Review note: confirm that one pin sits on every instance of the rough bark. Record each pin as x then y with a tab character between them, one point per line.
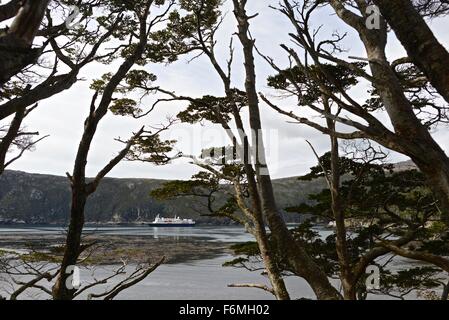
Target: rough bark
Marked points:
438	261
28	20
445	293
268	256
288	248
15	45
346	276
412	137
274	274
419	41
270	262
418	143
259	232
10	10
51	86
55	83
80	189
8	139
73	243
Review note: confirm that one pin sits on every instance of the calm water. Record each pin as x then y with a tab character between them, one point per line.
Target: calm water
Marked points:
208	233
203	279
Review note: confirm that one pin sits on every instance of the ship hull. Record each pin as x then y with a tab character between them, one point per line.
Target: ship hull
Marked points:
171	225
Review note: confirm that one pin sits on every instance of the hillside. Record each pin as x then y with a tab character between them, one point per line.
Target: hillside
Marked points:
36	198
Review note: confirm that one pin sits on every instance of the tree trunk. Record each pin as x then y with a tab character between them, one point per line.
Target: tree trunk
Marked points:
445	294
278	284
80	189
419	41
288	248
346	275
274	274
268	256
435	166
8	139
78	204
73	243
291	251
10	10
415	139
15	46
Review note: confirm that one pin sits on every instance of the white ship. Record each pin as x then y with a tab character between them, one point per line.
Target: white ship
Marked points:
172	222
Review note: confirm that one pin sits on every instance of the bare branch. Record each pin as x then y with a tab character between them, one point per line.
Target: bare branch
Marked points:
252	285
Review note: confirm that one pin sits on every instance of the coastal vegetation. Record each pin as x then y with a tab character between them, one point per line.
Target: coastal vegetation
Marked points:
365	106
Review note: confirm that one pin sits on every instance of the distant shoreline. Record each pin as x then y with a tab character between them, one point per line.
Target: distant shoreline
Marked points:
103	224
128	224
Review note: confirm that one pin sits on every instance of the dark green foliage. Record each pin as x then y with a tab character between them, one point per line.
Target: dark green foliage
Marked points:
248	256
150	148
213	109
214	190
247	248
124	107
180	35
300	81
200	185
419	278
347	167
310	84
380	204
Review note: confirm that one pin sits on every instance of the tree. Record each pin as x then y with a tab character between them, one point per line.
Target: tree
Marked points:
418	39
138	23
18	137
294	253
387	212
198	34
224	188
33	272
74	48
405	100
15	44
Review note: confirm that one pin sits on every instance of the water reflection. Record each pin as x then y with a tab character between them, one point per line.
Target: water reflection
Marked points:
209	233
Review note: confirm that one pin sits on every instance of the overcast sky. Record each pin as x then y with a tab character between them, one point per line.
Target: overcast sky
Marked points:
62	116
